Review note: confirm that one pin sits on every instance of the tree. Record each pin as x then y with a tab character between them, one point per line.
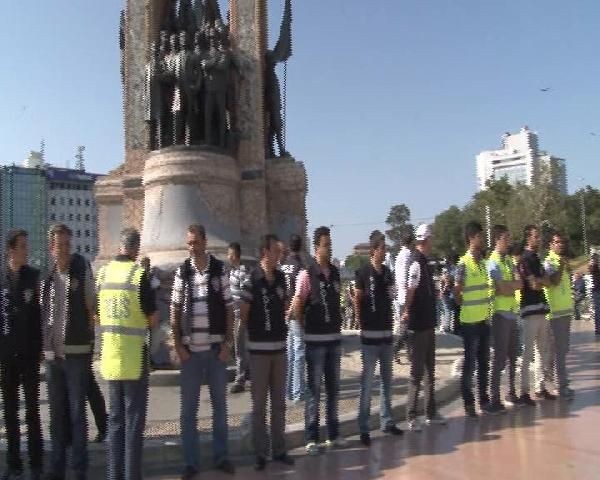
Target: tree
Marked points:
399	221
354	262
448	233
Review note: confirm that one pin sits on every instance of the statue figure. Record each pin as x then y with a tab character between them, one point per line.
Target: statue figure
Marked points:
122	21
176	66
193	82
153	111
216	65
281	53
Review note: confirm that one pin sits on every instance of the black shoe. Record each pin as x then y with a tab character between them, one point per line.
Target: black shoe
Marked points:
495	408
226	466
188	473
260	464
526	400
365	439
100	437
512	400
545	395
285	459
470	411
237	388
393	430
484	401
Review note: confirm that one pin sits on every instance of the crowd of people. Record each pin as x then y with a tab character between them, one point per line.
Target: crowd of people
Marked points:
281	321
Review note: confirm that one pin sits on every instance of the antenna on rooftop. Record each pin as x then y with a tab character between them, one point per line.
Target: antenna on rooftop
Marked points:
79	159
43	151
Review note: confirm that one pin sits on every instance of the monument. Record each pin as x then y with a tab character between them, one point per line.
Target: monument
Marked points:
204	133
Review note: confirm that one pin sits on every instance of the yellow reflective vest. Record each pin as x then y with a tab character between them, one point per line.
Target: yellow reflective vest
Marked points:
475	298
559	297
122	321
503	303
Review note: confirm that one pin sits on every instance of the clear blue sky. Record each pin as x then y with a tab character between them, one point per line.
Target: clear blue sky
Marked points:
389	100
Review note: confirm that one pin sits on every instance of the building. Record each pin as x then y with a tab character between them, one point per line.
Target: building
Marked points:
35	196
520	160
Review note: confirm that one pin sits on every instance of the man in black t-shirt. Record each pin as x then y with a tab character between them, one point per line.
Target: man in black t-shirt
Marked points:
533	312
594	270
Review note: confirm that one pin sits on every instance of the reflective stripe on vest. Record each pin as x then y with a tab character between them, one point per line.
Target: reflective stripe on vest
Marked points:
475	302
267	346
559	297
503	303
122	321
376	333
326	337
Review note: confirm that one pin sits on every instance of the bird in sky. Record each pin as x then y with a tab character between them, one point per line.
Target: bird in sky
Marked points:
547	89
593	134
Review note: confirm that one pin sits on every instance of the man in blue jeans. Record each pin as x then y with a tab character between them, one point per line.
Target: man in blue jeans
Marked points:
317	305
295	379
68	304
202	321
373	297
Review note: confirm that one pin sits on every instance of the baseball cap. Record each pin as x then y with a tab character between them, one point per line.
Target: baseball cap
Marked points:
423	232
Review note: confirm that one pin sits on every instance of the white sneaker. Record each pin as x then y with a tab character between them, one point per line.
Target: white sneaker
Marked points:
436	420
339	442
414	426
312	448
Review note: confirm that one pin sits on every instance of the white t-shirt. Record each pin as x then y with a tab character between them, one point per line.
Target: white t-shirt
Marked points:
401	272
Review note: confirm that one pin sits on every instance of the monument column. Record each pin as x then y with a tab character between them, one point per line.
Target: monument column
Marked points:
249	39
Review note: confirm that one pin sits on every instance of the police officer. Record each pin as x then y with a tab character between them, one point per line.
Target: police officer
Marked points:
263	312
471	291
127	310
20	354
560	301
373	297
68	298
317	305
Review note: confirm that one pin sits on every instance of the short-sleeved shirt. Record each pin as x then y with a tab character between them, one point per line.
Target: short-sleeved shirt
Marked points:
533	302
414	275
401	272
200	338
303	283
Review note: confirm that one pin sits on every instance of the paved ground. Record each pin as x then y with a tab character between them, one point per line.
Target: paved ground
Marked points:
554	440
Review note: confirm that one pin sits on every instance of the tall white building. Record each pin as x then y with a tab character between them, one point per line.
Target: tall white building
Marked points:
520	160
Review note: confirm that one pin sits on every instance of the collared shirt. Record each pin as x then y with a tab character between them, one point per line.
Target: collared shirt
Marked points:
303	282
200	339
61	281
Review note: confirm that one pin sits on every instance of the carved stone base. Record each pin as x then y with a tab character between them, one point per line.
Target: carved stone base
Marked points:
186	185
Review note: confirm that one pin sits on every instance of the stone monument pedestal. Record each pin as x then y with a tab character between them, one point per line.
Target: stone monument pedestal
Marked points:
186	185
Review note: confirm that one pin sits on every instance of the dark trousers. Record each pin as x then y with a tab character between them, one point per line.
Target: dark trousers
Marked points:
422	364
504	339
322	361
18	371
97	405
476	341
67	381
126	424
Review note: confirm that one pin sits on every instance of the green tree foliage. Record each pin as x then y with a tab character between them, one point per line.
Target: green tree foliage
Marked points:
448	233
399	221
354	262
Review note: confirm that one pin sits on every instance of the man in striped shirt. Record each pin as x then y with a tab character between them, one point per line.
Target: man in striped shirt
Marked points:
202	321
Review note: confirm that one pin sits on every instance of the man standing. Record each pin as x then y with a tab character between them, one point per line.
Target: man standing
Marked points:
317	305
263	313
401	273
419	317
471	292
237	277
533	311
594	270
560	301
68	299
503	285
126	310
20	354
373	297
202	322
295	378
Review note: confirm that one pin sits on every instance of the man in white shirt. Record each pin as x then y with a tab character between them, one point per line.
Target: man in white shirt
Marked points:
401	273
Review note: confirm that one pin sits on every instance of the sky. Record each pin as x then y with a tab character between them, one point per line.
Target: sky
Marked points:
389	101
